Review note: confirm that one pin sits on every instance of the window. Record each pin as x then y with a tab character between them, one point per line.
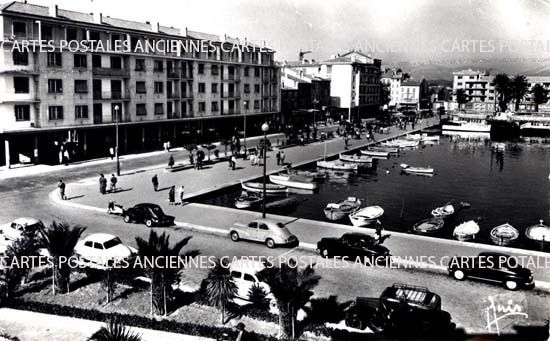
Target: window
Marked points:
95	35
22	112
96	60
20	29
256	88
140	64
246	71
80	60
47	32
202	88
249	278
247	88
116	62
20	58
159	109
21	85
256	72
114	38
201	69
256	104
159	87
140	88
158	66
80	86
81	111
71	34
215	70
55	112
236	274
215	106
141	109
54	58
55	85
202	106
214	88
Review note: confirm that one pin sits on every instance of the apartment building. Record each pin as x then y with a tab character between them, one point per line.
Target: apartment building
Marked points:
406	93
480	88
63	99
393	79
527	104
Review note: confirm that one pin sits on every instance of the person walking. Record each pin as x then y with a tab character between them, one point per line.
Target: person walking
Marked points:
172	196
102	184
155	181
181	193
112	153
171	161
61	186
113	183
233	162
282	157
278	156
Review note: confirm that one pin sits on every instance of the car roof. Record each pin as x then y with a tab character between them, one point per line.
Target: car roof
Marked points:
358	235
267	221
100	237
146	204
247	265
26	221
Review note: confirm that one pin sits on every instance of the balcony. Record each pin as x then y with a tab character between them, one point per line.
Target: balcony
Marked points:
174	95
111	95
107	72
186	96
173	73
231	95
231	78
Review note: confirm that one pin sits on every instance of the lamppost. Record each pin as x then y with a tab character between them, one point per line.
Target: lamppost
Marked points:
315	101
265	128
245	104
116	146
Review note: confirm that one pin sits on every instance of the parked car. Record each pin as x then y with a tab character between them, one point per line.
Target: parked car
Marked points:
103	250
244	275
270	232
150	214
17	228
492	267
401	310
353	245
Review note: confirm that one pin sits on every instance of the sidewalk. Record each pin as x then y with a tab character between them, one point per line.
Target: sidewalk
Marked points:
31	326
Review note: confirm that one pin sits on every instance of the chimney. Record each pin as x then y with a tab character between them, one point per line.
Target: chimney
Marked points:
98	18
155	26
52	10
185	32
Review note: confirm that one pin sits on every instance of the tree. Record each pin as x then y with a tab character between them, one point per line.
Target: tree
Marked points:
60	239
209	147
109	281
190	148
258	297
540	95
461	97
220	288
519	88
502	87
155	256
115	331
292	288
325	309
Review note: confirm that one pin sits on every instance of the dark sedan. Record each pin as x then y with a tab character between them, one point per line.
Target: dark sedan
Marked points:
150	214
492	267
354	246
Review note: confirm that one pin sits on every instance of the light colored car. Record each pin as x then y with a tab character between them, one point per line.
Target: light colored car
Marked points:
103	250
244	274
270	232
15	229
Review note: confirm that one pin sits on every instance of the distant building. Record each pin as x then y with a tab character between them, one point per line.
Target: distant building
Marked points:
393	78
527	104
479	86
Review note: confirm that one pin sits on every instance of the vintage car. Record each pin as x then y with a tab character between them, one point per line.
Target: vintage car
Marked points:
267	231
150	214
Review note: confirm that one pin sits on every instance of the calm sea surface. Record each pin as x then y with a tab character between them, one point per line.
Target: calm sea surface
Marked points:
510	186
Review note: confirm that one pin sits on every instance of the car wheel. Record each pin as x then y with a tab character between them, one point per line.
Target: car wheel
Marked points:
459	275
511	285
149	223
127	219
354	322
234	236
270	243
325	253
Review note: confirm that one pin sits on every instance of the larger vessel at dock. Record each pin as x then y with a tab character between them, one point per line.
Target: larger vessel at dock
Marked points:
461	121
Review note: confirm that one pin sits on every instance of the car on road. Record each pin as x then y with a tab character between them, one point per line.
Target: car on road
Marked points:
354	246
492	267
270	232
17	228
150	214
103	250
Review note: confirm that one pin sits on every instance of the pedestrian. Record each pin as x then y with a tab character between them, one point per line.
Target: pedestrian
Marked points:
165	146
112	153
155	181
253	160
168	146
181	192
346	139
66	157
378	232
191	159
233	162
282	157
172	195
171	161
102	184
113	183
242	333
61	186
278	156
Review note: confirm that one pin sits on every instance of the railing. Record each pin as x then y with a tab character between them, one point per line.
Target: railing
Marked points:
101	71
174	94
231	95
186	95
173	73
111	95
232	78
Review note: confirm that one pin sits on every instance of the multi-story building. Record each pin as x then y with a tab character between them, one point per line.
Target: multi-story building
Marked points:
528	104
393	79
71	99
479	86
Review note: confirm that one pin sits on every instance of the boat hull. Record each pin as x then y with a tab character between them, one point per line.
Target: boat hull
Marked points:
375	153
468	127
504	235
271	189
429	226
366	216
285	181
336	165
356	159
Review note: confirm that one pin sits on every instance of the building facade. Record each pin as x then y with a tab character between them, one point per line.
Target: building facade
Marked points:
479	86
72	99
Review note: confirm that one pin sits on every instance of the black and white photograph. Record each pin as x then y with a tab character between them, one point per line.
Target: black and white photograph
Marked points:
274	170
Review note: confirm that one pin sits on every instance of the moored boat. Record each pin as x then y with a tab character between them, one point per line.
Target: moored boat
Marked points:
391	150
443	211
408	169
247	201
270	189
401	143
342	208
337	165
355	158
429	226
294	182
318	176
504	234
538	233
466	231
366	216
375	153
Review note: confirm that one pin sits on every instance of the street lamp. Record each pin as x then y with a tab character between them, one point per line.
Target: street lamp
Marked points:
265	128
315	101
245	104
116	146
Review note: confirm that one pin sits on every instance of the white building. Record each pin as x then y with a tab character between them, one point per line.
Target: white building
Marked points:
479	87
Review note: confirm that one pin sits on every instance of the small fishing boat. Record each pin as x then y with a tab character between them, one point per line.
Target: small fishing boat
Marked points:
270	189
338	165
247	201
391	150
504	234
429	226
342	208
443	211
318	176
538	233
466	231
355	158
408	169
293	181
400	144
366	216
375	153
423	137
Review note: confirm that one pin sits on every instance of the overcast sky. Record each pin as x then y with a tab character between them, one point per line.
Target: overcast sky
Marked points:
394	30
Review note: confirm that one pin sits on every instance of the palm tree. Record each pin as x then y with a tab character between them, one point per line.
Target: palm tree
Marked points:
156	255
461	97
291	287
114	331
220	288
325	309
540	95
257	296
519	88
60	239
502	87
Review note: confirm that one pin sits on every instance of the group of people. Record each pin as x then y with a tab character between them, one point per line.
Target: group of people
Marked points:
280	158
103	184
172	195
